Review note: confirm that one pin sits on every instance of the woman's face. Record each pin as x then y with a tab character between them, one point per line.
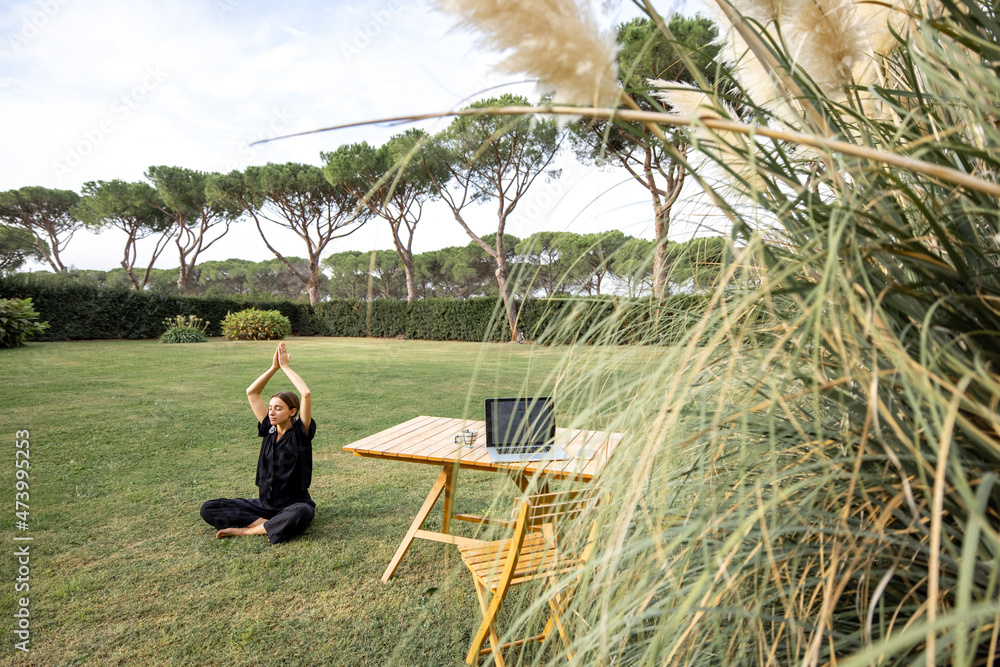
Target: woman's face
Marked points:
278	412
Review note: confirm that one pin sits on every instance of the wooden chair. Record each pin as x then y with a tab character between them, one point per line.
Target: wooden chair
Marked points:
540	548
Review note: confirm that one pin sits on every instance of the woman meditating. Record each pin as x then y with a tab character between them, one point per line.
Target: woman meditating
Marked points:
284	467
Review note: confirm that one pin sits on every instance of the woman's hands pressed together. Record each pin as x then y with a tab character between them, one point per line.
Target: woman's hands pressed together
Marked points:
281	356
275	361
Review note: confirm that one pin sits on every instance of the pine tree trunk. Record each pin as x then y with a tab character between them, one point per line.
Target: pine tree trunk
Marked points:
57	264
508	299
131	276
411	283
183	277
660	256
312	287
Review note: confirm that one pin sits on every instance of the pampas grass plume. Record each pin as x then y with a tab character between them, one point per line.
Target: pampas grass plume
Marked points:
835	42
826	39
689	102
757	83
555	41
881	18
684	99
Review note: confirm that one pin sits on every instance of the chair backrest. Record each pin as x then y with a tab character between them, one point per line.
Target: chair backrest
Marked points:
560	508
562	517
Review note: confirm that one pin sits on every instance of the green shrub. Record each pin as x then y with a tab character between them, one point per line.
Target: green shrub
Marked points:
181	329
254	324
18	321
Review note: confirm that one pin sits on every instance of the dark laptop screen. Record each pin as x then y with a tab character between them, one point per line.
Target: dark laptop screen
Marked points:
519	422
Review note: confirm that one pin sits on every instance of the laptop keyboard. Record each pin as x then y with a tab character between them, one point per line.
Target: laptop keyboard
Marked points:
521	449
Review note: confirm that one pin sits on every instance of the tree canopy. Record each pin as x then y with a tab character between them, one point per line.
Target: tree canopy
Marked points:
393	182
45	216
647	53
492	158
198	221
16	248
134	208
299	198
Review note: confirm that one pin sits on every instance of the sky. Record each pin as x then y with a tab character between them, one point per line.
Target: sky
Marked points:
102	89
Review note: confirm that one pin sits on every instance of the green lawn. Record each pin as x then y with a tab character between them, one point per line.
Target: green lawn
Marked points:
128	438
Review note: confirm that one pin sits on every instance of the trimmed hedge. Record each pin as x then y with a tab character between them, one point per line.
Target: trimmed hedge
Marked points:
86	312
477	319
609	319
426	319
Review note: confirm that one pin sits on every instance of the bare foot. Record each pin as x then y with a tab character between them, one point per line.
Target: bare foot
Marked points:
255	528
231	532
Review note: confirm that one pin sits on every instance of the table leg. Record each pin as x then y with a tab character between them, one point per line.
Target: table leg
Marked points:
449	499
442	482
524	482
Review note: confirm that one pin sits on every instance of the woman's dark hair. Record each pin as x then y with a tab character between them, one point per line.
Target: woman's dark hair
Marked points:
289	398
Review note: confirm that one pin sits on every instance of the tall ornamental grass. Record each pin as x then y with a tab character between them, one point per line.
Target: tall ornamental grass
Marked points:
810	477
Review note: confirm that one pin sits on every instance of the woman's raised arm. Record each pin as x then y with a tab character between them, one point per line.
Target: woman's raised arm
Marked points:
305	410
253	391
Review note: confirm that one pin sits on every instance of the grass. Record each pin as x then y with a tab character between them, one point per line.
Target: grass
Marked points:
128	438
814	486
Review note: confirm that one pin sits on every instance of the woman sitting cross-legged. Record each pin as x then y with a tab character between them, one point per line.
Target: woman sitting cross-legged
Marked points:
284	467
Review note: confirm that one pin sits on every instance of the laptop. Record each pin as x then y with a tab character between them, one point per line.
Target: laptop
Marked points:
521	429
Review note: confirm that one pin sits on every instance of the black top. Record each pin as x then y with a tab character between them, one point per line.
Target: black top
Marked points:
284	467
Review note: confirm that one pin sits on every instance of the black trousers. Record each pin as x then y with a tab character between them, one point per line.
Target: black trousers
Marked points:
283	523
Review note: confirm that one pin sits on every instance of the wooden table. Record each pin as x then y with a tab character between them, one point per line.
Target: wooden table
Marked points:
431	440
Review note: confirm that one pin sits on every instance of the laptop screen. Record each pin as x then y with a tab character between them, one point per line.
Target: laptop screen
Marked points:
519	422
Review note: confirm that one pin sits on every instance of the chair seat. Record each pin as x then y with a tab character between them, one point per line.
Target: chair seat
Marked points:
538	558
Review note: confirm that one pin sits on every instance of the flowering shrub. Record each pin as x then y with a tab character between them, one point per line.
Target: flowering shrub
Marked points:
254	324
18	321
180	329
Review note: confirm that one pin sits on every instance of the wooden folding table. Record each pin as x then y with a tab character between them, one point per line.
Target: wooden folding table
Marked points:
431	440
